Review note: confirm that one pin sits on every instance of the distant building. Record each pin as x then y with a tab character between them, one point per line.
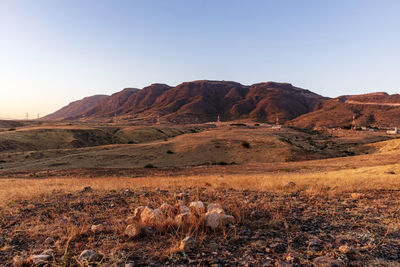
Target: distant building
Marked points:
395	131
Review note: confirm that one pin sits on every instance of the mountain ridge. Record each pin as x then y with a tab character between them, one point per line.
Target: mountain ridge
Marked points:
200	101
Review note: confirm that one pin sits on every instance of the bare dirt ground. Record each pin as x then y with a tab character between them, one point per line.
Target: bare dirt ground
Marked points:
330	199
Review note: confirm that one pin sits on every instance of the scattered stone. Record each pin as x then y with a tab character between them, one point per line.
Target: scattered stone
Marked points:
325	261
130	264
151	217
357	195
40	259
133	230
88	255
197	206
344	249
97	228
215	207
182	208
187	244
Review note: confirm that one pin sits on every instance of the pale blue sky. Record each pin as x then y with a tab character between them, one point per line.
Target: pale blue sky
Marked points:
53	52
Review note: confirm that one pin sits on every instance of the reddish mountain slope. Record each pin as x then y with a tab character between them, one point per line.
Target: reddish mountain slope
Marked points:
201	101
108	106
76	108
375	110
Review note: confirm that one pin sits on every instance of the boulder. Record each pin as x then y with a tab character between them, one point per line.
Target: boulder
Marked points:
197	207
215	207
151	217
212	219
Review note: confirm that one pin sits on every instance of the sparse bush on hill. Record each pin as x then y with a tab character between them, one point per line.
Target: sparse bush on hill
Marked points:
149	166
245	144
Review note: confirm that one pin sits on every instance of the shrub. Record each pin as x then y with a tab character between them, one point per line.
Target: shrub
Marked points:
245	144
149	166
170	152
11	129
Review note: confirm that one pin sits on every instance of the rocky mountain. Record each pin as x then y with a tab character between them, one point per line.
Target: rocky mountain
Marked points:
373	110
202	101
76	108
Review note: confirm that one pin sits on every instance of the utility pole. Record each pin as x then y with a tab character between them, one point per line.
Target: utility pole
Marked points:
115	118
158	119
353	123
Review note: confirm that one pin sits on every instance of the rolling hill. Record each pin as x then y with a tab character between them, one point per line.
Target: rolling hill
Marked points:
76	108
199	101
373	110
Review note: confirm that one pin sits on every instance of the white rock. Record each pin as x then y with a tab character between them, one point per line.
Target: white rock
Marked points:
40	259
344	249
88	255
197	207
357	195
187	244
133	230
97	228
151	217
215	207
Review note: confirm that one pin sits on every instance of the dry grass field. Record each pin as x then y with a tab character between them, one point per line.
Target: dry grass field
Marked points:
297	198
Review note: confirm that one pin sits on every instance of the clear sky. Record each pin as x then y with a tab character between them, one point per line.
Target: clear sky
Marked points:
53	52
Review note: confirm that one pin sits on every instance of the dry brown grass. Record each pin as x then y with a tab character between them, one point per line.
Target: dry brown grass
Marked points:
348	180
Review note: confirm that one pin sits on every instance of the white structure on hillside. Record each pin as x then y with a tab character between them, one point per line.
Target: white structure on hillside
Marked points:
395	131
